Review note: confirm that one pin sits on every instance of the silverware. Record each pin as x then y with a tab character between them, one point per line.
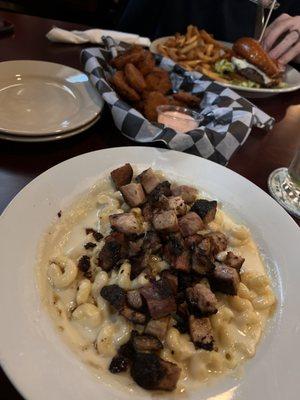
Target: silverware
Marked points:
267	20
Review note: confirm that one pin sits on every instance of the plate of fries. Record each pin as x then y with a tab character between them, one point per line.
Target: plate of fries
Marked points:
197	50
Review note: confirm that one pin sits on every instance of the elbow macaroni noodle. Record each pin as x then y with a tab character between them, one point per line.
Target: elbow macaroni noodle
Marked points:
89	321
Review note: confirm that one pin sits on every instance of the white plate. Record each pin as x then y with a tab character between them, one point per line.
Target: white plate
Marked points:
47	138
42	98
291	78
37	360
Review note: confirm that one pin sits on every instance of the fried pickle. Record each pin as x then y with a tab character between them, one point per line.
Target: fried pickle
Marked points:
120	61
152	101
134	78
123	88
158	80
187	98
146	64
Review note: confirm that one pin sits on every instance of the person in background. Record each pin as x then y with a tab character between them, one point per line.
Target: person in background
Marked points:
228	20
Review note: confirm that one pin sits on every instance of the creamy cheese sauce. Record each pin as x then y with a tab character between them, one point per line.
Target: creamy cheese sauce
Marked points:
89	325
242	64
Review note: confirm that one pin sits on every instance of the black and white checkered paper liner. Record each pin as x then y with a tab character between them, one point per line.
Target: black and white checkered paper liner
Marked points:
228	117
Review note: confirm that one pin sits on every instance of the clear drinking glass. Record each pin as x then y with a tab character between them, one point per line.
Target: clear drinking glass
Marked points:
284	186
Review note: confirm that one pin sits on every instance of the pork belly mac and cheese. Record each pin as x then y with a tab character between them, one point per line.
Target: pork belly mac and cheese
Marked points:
148	280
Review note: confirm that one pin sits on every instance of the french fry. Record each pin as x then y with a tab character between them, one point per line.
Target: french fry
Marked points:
188	48
213	75
209	49
192	63
196	50
192	39
189	32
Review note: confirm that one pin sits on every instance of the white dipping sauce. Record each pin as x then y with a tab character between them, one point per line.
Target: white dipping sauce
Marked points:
178	121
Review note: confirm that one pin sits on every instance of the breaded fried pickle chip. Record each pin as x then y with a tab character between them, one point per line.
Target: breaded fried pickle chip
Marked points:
123	88
146	64
158	80
134	78
152	101
187	98
120	61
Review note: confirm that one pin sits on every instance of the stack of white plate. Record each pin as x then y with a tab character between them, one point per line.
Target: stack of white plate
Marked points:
42	101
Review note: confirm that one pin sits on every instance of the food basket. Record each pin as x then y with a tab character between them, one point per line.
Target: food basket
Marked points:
228	117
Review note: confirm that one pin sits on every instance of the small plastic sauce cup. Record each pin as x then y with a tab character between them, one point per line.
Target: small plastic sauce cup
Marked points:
180	119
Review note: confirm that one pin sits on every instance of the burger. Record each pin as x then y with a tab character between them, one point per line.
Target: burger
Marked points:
253	62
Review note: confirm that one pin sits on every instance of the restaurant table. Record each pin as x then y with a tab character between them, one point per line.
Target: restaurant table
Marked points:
21	162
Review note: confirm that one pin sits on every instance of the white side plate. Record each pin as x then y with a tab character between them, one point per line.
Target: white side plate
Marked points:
47	138
42	98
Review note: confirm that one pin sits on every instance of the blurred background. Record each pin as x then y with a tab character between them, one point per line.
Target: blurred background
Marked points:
100	13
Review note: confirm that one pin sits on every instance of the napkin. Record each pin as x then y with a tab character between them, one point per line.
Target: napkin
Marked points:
94	36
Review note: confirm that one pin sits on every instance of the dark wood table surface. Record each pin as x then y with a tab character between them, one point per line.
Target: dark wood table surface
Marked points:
21	162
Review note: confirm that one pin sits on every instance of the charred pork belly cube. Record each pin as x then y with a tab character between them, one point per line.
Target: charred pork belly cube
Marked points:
165	221
187	193
175	203
205	209
182	317
201	263
144	343
133	194
122	175
175	245
171	279
201	333
138	264
192	241
113	252
182	262
126	223
152	373
134	299
176	254
162	189
84	263
158	327
147	212
118	364
127	350
159	299
152	242
134	247
201	300
148	179
97	235
171	376
146	370
234	261
224	279
218	242
186	280
190	224
115	295
205	246
133	316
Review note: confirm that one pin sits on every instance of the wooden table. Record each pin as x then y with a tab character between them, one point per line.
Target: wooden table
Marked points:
21	162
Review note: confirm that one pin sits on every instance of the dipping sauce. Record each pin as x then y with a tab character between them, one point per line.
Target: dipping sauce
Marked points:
180	119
